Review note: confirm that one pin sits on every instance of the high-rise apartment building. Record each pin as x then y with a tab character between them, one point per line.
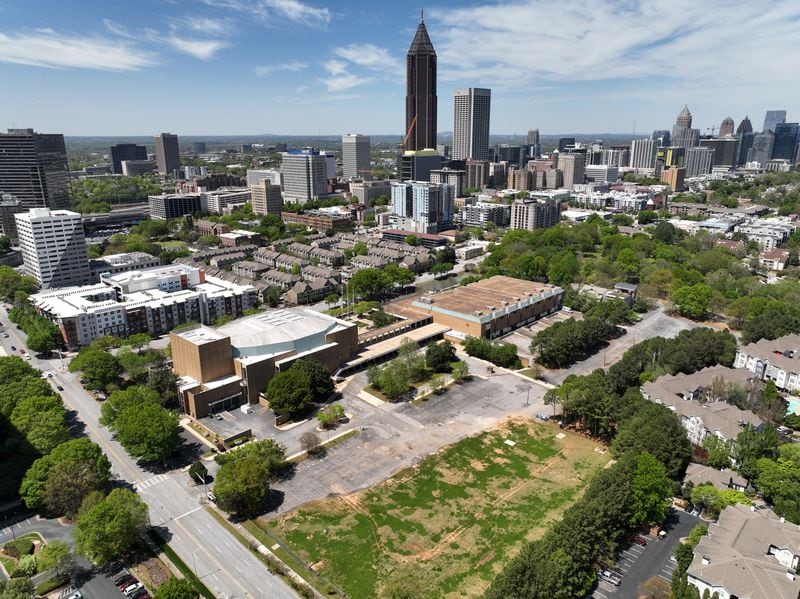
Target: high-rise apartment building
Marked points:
772	118
785	144
355	156
572	165
33	168
699	161
422	207
305	175
453	177
726	127
266	198
674	176
643	154
122	152
477	174
531	214
421	99
168	154
254	176
616	156
9	206
471	110
53	247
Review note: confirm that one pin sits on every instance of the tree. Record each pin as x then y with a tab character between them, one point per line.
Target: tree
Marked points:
651	488
176	588
41	421
647	216
138	340
310	443
17	588
111	527
163	381
54	555
460	371
718	452
119	401
318	376
692	300
753	444
440	356
712	501
99	368
368	283
360	249
241	486
66	486
267	451
198	472
411	240
148	431
440	268
289	392
655	429
43	335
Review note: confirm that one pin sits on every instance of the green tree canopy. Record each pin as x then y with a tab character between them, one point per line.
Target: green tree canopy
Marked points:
651	489
148	431
241	486
99	368
692	301
110	528
176	588
440	356
289	392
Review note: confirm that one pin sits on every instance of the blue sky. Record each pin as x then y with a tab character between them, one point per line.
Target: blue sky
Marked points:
86	67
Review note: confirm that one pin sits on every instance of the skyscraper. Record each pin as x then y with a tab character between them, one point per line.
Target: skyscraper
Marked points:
168	154
699	161
533	137
122	152
683	136
761	150
266	198
745	126
422	207
726	128
572	165
421	92
355	156
53	247
33	168
661	136
643	154
304	174
772	118
785	144
471	123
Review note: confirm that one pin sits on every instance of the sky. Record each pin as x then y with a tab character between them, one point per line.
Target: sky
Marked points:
308	67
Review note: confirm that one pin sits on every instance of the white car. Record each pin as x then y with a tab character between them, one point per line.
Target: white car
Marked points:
76	595
211	497
27	356
133	588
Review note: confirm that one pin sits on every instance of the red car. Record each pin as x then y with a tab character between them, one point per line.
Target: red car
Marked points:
21	350
640	540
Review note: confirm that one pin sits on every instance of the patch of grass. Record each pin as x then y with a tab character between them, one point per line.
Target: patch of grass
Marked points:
184	569
172	245
532	373
51	584
452	521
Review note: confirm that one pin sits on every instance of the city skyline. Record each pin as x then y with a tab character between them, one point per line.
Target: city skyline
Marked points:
291	66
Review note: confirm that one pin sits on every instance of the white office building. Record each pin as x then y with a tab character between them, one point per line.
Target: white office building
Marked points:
53	247
305	175
355	156
643	154
254	176
216	201
471	123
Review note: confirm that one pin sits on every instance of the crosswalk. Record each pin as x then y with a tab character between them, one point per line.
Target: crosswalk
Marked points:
140	485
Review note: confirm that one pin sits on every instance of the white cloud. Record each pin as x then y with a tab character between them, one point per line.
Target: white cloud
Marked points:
371	57
272	11
292	65
46	48
710	43
345	81
202	49
335	67
208	26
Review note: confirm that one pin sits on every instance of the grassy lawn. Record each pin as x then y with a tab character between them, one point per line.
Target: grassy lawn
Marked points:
172	245
450	523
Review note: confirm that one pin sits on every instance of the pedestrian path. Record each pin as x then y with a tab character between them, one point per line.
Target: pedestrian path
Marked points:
149	482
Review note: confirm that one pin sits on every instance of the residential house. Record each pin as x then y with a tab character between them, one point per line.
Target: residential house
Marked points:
774	259
250	268
698	474
311	292
776	360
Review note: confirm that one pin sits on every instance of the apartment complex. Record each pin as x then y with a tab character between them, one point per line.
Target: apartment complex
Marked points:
422	207
33	168
776	360
750	553
471	110
533	213
116	263
355	156
153	301
53	247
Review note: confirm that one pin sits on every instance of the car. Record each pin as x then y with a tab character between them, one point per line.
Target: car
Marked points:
49	375
639	540
76	595
59	387
5	335
695	511
21	350
125	582
13	348
129	590
610	577
121	578
140	594
662	535
211	497
27	356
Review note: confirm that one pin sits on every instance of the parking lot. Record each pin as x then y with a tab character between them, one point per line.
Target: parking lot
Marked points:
636	564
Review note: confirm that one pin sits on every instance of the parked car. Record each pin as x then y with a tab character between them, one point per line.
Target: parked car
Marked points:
59	387
128	591
610	577
640	540
118	580
662	535
211	496
5	335
140	594
125	582
13	348
27	356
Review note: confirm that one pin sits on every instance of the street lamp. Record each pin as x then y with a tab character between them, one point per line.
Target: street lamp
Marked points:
194	559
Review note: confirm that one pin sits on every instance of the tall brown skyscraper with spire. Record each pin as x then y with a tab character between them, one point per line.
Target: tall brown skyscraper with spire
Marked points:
421	91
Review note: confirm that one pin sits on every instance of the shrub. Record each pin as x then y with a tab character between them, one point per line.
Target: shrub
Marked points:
19	547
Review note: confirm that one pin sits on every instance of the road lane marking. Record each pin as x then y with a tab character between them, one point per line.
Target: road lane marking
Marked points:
187	513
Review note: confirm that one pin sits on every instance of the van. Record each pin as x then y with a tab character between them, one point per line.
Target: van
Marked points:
132	588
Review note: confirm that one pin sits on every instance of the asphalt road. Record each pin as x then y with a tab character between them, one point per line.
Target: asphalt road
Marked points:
226	567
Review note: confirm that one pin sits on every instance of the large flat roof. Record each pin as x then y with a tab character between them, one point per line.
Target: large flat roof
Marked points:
484	297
